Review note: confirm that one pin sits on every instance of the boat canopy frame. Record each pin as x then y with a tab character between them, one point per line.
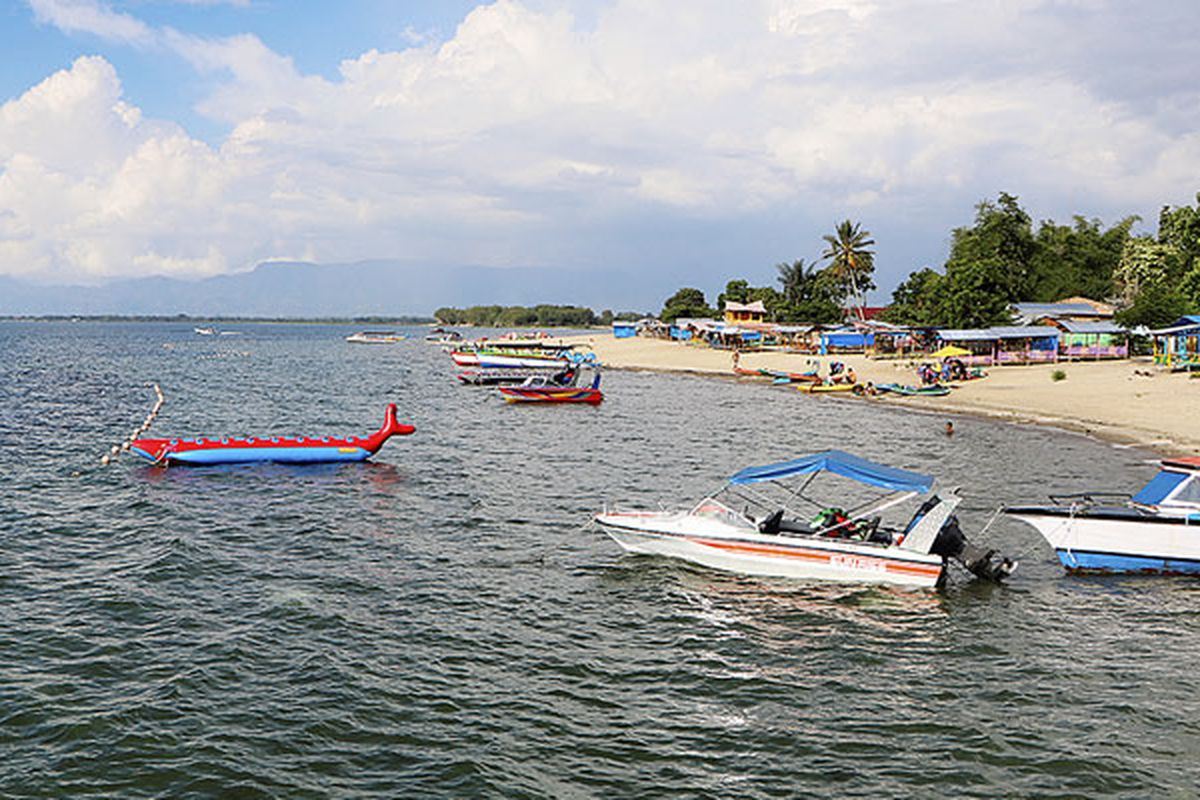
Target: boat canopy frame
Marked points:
903	484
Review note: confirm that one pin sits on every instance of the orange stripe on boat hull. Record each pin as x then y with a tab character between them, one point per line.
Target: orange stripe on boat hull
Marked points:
889	565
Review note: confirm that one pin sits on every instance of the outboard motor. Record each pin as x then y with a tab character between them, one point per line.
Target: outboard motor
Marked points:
951	543
934	529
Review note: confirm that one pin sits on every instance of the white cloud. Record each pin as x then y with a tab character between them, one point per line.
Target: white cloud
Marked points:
525	126
90	16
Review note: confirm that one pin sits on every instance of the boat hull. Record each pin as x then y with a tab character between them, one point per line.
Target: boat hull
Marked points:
283	450
488	361
1117	540
768	555
517	394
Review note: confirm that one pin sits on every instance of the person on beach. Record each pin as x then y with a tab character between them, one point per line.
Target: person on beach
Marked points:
737	358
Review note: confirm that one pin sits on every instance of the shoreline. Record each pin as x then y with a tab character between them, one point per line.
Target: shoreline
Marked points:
1127	402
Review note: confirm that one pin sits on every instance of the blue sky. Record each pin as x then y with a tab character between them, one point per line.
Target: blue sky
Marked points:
706	139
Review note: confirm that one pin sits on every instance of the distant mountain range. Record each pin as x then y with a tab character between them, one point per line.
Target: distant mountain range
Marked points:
369	288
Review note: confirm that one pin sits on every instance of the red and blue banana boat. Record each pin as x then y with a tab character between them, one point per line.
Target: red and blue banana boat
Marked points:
285	450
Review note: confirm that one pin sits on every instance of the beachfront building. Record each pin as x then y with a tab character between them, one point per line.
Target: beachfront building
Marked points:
1177	346
1090	339
741	313
1007	344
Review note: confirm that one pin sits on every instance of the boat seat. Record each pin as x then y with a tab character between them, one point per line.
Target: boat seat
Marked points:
775	523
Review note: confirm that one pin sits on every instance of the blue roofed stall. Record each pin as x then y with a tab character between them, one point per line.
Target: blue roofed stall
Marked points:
1006	344
1090	339
1177	346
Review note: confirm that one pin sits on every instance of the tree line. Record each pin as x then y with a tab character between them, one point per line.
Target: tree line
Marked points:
539	316
998	260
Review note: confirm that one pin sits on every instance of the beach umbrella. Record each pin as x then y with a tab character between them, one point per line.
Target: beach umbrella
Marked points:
950	351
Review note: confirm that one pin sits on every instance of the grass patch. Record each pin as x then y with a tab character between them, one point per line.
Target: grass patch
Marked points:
1058	375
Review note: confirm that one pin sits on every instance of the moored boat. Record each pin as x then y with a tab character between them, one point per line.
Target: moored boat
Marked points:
1156	531
287	450
376	337
825	387
770	537
544	390
934	390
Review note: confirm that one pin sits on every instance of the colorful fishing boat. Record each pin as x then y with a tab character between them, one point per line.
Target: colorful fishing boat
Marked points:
286	450
772	536
1156	531
812	388
935	390
507	377
543	390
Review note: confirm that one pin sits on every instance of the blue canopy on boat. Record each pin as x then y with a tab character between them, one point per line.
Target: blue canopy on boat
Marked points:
839	463
1159	487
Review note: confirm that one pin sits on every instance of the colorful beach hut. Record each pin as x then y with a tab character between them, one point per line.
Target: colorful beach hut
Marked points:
1177	346
1090	339
1007	344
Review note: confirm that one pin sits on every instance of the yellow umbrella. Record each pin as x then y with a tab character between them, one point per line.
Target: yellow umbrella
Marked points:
950	351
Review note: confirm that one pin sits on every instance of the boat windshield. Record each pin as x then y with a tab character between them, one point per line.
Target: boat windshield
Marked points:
716	510
1188	494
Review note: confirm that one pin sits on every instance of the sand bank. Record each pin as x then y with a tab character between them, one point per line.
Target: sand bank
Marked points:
1128	402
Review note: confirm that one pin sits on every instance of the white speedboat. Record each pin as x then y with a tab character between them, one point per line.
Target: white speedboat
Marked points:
376	337
1155	531
827	544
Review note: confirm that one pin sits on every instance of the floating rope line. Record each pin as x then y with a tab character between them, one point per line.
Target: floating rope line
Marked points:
117	449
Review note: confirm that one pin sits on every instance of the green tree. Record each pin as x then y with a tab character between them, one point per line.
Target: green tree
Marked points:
1001	240
850	260
809	294
686	302
738	291
917	300
1145	264
976	296
1155	306
1076	260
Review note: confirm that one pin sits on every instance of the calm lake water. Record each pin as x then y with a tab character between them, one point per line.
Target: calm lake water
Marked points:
443	621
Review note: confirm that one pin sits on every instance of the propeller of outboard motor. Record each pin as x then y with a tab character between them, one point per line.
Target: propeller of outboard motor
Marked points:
989	564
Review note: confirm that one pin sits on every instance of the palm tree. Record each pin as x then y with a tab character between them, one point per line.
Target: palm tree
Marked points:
795	280
851	261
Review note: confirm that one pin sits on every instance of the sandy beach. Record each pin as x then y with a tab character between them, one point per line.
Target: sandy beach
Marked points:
1129	402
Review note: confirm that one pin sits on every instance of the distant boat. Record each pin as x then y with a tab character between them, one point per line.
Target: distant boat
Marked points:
376	337
443	336
206	331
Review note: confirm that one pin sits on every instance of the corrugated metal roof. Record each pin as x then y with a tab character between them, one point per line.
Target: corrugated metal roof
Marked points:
1081	326
1056	309
999	332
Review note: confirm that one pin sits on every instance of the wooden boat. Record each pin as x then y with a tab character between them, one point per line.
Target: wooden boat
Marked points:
540	390
505	377
936	390
286	450
780	376
755	526
1156	531
825	387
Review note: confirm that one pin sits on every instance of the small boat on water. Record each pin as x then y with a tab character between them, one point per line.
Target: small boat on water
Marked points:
771	536
443	336
935	390
541	389
507	377
206	331
286	450
376	337
1156	531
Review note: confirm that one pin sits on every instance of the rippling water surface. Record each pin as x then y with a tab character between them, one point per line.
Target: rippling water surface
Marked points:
442	621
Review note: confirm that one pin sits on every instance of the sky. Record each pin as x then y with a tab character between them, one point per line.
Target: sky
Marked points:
711	140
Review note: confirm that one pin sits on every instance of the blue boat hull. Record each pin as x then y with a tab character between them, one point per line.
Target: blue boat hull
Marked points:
1083	561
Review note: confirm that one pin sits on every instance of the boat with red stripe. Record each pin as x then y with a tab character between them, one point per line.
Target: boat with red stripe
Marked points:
771	537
